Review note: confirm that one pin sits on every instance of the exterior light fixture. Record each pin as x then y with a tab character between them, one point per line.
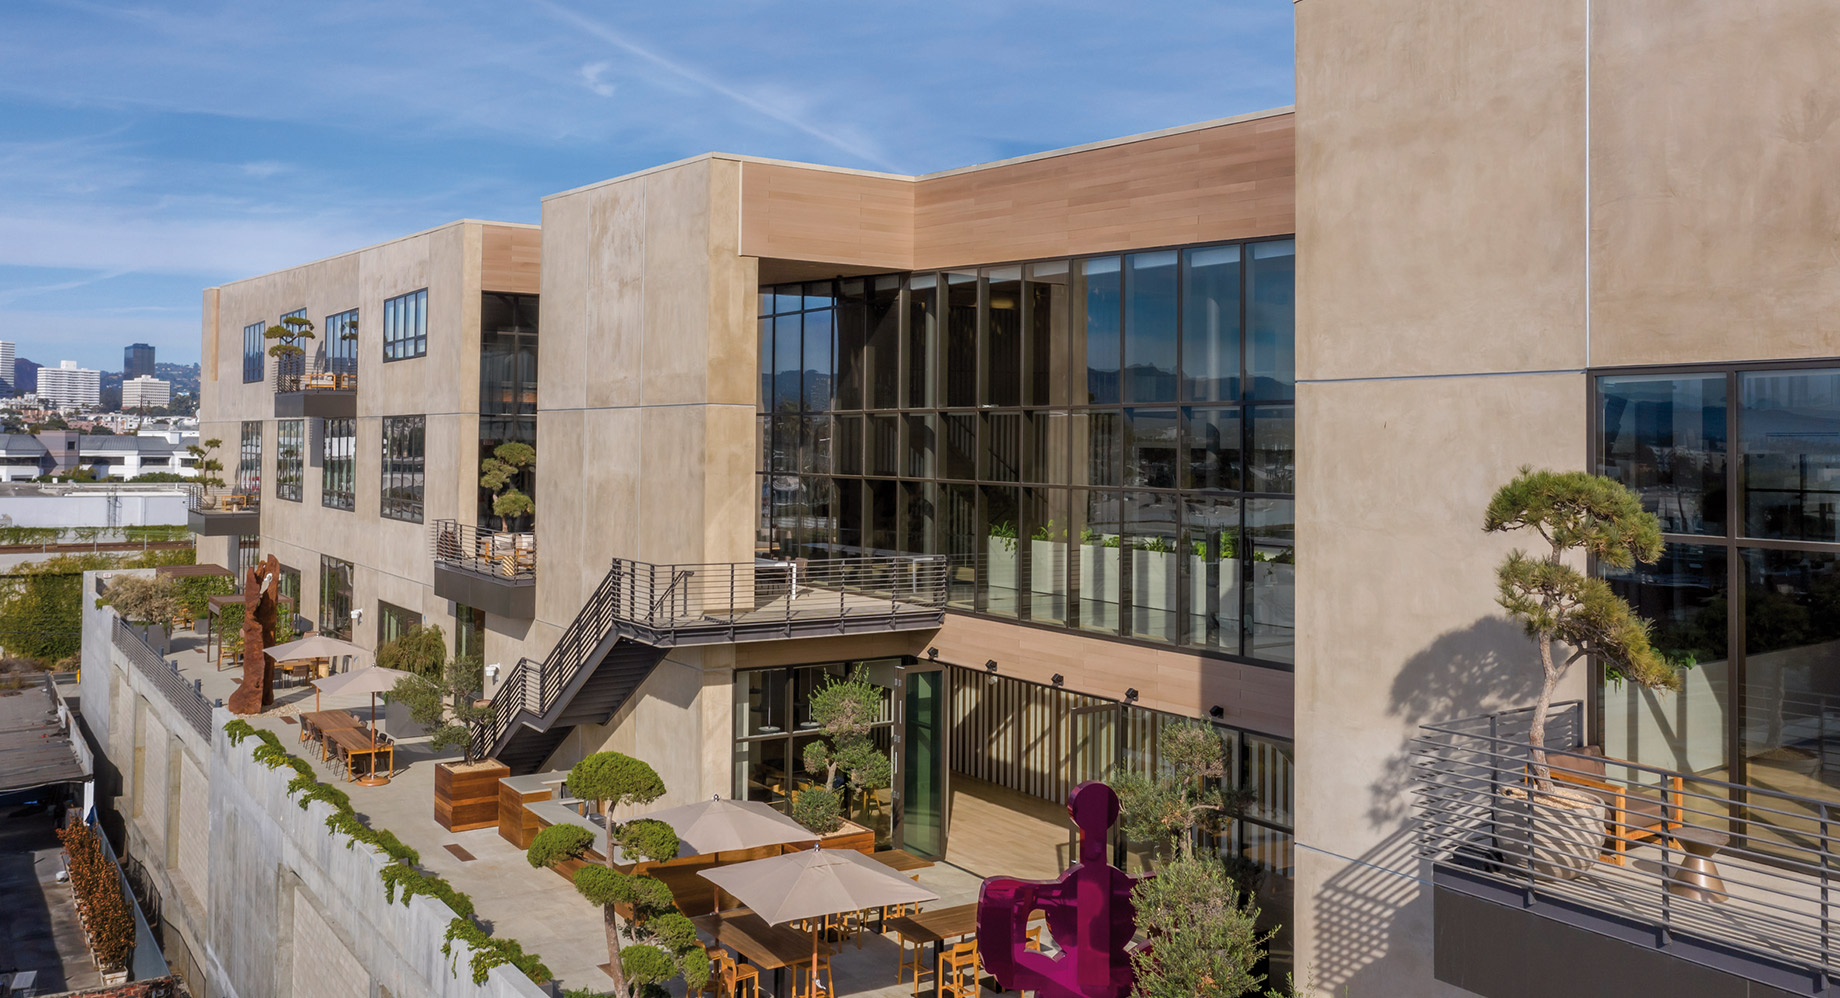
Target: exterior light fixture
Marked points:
1059	679
932	653
1217	711
990	666
1130	695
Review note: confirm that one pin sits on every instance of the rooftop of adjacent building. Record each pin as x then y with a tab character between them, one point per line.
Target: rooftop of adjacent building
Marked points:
35	748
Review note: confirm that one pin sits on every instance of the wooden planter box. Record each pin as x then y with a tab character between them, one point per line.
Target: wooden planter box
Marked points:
466	797
850	836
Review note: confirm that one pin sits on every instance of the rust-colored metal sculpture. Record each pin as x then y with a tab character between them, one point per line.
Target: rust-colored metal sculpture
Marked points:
256	692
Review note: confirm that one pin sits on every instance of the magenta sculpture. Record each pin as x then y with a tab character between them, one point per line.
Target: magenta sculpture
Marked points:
1088	908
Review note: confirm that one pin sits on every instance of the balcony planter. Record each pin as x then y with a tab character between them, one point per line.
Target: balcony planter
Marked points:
849	835
1561	832
1099	574
1274	597
1227	616
1000	571
1048	568
1153	580
466	794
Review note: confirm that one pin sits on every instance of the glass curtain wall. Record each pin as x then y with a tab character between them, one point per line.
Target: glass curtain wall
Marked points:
338	464
290	458
404	459
249	459
394	622
507	390
1742	467
339	348
1103	443
335	600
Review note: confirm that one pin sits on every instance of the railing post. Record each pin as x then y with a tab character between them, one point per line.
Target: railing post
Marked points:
1827	867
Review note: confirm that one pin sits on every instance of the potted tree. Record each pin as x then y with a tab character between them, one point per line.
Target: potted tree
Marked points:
1098	566
148	603
664	942
207	470
450	708
1153	575
846	711
498	475
1000	555
1048	560
290	356
1560	830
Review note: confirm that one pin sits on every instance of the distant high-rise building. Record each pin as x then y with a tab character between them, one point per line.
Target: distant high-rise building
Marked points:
7	377
137	361
145	392
68	386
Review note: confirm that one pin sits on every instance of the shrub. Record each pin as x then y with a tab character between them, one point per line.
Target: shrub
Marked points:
818	809
97	885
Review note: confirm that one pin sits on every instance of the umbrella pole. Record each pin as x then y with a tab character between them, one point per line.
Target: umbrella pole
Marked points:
371	779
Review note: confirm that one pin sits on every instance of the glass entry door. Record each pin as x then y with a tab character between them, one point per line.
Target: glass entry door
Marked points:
921	778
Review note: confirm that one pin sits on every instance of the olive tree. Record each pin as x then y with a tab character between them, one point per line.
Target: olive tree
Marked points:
448	704
1204	938
1576	513
664	942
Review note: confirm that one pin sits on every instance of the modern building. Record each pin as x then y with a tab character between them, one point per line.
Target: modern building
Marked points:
8	379
145	392
1190	425
136	361
68	386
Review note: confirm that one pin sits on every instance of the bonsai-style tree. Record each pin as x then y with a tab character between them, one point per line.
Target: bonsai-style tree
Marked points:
207	471
1204	938
1573	511
421	651
665	943
143	599
497	475
1173	805
846	711
288	336
448	704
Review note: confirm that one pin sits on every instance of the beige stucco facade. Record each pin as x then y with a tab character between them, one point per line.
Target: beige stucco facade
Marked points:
1494	198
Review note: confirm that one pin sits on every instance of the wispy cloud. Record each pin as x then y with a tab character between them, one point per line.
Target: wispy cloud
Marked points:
772	110
591	78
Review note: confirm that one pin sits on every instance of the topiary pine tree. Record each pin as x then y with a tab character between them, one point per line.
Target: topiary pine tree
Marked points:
1185	797
497	475
287	336
846	711
665	943
1574	511
207	470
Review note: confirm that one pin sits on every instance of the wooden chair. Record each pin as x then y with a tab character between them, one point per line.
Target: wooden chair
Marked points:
813	978
916	963
1630	817
714	984
958	970
1033	940
740	980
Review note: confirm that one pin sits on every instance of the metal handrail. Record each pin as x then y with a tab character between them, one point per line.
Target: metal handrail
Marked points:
322	378
510	555
186	698
668	604
220	499
1478	812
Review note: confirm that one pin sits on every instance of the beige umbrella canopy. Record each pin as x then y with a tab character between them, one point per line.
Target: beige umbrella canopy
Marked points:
718	825
812	883
373	680
313	646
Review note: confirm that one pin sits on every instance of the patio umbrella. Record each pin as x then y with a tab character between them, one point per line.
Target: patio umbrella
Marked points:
313	646
718	825
814	882
373	680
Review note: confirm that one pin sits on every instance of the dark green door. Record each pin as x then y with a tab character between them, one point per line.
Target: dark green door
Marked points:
923	765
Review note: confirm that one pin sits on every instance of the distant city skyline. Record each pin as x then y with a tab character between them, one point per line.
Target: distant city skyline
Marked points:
135	177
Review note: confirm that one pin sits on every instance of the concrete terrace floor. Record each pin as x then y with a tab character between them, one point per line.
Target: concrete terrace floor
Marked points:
539	908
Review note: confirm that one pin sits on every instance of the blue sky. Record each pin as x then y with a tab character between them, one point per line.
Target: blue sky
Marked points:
149	150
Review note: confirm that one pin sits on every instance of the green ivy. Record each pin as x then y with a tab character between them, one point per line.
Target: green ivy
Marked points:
237	730
489	952
411	881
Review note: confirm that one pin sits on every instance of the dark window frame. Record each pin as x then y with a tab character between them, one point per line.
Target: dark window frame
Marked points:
404	455
253	364
290	459
339	464
405	326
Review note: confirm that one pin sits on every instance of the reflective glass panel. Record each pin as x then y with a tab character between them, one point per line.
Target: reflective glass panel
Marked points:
1046	291
852	354
1002	454
884	445
922	340
1792	675
1271	271
1003	337
961	339
1684	594
1210	542
960	430
1211	457
1152	457
787	341
1789	433
1150	535
1210	323
1271	533
820	345
1100	298
884	342
1272	465
1096	520
1046	451
1045	521
1150	327
1664	437
1002	550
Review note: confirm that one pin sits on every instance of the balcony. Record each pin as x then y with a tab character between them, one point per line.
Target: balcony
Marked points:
489	570
317	394
223	513
1690	884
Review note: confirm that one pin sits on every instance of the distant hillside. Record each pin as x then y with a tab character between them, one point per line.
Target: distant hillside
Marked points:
184	378
25	376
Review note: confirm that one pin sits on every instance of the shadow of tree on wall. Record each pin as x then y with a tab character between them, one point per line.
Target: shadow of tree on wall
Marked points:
1359	914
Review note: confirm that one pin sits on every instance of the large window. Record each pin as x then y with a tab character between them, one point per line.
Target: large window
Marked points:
340	344
290	453
507	388
249	459
290	366
405	326
1742	467
404	443
335	597
252	352
1104	443
338	464
394	622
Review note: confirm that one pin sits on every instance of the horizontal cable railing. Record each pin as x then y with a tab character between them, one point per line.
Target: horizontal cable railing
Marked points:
666	604
500	554
319	378
1734	867
663	602
220	499
185	697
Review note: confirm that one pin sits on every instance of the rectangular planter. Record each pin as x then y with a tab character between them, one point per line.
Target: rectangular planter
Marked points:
850	836
467	798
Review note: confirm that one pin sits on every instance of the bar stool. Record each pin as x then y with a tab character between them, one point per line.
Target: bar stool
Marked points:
819	975
917	963
958	970
741	979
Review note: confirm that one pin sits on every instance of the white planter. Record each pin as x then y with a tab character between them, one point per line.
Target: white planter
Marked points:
1560	833
1048	568
1153	580
1227	615
1099	573
1000	563
1274	597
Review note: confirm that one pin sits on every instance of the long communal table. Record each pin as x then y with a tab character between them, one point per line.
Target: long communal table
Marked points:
359	742
769	947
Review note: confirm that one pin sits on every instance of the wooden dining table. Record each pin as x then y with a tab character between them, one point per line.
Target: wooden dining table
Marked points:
315	723
933	928
769	947
360	742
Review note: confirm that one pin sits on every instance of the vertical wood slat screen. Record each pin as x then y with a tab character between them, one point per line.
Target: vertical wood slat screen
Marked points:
1025	737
